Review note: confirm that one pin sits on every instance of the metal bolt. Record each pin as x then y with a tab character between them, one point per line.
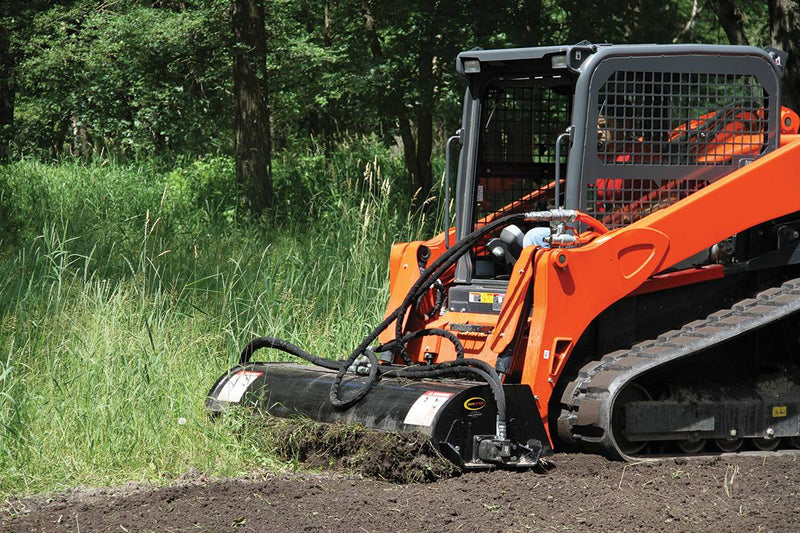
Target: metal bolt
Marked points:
770	433
732	433
535	397
521	271
549	380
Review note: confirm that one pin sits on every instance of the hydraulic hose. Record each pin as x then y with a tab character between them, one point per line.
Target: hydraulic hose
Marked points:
288	347
399	344
458	366
428	277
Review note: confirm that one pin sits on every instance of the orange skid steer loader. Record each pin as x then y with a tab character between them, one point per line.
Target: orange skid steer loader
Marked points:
622	276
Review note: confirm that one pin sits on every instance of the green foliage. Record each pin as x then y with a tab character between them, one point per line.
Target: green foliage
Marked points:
316	71
307	175
129	291
129	79
138	79
206	186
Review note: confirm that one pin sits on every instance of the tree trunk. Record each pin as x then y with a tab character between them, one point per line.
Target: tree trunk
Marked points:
784	18
409	153
425	114
6	95
730	18
529	23
416	151
81	144
253	148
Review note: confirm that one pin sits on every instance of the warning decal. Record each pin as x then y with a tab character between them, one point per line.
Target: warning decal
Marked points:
494	298
425	408
497	301
779	411
234	389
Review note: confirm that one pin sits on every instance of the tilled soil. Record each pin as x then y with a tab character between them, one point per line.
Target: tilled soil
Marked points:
582	493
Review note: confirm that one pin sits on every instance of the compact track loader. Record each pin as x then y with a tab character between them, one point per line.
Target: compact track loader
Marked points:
622	275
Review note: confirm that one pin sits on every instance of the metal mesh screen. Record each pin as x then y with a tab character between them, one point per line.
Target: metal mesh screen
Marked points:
618	202
681	122
519	127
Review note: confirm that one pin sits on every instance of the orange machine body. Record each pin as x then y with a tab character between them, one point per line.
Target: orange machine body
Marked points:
571	286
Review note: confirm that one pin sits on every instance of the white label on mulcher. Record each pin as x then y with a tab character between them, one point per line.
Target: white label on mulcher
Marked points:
426	407
233	390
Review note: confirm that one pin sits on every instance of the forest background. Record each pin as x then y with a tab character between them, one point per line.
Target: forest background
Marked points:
179	176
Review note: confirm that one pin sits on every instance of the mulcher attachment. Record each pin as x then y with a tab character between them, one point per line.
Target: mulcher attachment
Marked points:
459	417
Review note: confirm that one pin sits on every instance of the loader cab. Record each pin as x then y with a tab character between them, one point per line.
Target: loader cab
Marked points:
646	126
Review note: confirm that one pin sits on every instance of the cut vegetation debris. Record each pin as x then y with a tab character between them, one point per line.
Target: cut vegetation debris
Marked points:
398	458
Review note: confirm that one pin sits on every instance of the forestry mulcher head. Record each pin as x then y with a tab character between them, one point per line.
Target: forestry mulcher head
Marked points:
460	417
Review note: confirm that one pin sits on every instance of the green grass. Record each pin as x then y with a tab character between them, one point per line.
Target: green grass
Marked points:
126	290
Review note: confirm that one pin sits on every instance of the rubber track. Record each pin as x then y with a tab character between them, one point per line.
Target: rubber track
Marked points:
587	402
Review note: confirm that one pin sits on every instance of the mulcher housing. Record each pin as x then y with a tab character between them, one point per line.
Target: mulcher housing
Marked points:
624	259
458	416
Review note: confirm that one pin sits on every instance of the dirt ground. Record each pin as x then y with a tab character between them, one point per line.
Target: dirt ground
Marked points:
582	493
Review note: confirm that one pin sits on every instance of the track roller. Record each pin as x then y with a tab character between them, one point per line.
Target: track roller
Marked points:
766	445
728	445
691	445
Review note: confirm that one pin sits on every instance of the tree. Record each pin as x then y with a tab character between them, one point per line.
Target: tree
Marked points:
6	94
14	17
413	47
622	21
416	149
730	18
784	23
253	149
124	78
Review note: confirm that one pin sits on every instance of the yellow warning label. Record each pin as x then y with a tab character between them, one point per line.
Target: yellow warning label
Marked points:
778	411
487	297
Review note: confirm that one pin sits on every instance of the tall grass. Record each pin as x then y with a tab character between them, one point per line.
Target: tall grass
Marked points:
125	291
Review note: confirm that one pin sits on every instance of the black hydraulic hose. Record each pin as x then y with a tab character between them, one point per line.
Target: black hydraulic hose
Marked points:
438	301
448	368
288	347
336	399
399	344
460	366
440	265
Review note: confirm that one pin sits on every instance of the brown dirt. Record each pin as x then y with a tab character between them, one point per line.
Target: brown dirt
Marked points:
582	493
